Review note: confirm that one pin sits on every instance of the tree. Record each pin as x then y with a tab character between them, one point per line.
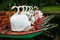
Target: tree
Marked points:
52	2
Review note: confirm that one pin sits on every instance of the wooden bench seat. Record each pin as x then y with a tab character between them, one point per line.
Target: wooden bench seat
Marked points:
2	13
5	20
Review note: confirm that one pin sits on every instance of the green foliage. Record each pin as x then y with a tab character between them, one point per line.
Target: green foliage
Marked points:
51	9
4	4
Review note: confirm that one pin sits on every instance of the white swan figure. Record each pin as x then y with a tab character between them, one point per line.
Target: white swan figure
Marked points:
20	22
17	9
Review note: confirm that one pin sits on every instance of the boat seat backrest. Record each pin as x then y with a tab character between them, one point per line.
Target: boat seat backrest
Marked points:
5	17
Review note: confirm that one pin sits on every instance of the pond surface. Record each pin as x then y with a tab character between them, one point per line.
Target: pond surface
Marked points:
55	20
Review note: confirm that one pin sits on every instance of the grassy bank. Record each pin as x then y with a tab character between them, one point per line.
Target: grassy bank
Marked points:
51	9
